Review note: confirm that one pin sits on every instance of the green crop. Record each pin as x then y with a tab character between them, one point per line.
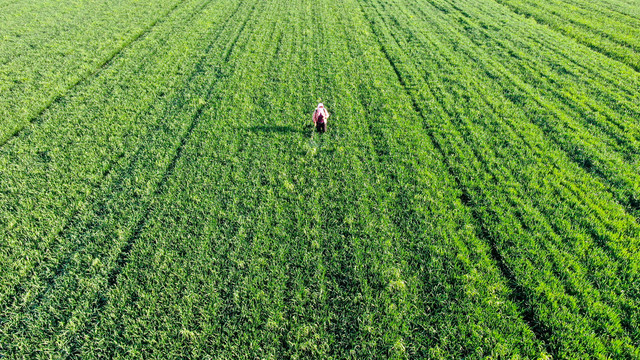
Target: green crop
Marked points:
163	194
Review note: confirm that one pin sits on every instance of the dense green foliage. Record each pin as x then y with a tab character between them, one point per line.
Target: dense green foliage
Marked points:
162	194
48	47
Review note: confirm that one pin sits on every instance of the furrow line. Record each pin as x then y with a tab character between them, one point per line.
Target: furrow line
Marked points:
123	255
602	10
619	93
400	288
477	155
628	8
591	28
176	105
555	137
550	24
515	205
515	133
523	305
88	76
554	82
61	269
492	106
577	102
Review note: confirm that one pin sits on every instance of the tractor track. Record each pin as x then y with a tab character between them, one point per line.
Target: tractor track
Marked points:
90	75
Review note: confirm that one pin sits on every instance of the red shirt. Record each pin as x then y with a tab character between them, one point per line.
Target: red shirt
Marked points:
317	112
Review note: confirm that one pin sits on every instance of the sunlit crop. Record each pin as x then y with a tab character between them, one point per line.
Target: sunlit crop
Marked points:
163	193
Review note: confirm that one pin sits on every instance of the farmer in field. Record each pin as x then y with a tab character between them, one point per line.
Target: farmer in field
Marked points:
320	117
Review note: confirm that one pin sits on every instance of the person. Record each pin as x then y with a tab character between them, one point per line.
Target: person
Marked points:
320	117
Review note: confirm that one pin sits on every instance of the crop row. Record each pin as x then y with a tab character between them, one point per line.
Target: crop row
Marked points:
306	255
360	247
594	135
610	32
58	173
606	144
625	7
514	195
48	47
595	129
176	204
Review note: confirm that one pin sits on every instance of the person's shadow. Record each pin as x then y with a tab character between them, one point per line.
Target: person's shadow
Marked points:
308	130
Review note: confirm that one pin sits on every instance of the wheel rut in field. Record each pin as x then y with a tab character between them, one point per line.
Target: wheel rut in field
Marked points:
176	105
517	291
611	55
117	185
123	256
91	74
598	239
512	80
125	251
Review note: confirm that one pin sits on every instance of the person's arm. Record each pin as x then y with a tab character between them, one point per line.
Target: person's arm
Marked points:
315	116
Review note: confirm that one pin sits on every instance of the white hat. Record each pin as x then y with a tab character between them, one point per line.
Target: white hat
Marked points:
320	105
